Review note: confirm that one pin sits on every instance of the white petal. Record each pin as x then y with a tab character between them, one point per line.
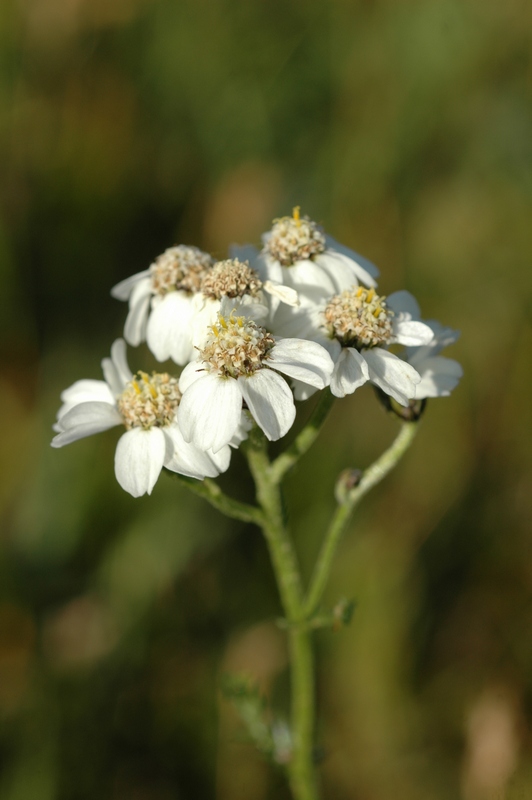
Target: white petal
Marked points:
139	458
187	459
439	376
244	427
113	380
221	459
367	265
350	372
306	361
270	401
412	333
119	358
308	276
342	271
115	369
298	323
85	419
269	268
123	289
392	375
283	293
169	331
404	303
192	373
302	391
86	390
136	321
209	412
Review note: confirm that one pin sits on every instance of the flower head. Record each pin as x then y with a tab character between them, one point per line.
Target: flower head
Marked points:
359	318
239	363
179	268
161	302
357	326
146	405
297	253
294	239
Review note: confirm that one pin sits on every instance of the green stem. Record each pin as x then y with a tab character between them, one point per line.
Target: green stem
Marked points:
305	439
301	770
211	492
272	523
371	476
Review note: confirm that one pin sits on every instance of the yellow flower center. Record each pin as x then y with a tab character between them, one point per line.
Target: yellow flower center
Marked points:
181	268
149	400
294	239
236	346
231	278
359	318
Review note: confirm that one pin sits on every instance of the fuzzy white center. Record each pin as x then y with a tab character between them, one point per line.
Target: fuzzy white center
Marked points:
231	278
294	239
236	347
149	400
359	318
180	267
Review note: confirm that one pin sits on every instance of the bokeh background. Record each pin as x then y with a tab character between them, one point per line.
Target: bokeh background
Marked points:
405	128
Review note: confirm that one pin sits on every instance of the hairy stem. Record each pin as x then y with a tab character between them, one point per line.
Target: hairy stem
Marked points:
301	770
370	477
210	491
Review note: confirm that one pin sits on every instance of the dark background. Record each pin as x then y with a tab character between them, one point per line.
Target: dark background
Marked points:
405	128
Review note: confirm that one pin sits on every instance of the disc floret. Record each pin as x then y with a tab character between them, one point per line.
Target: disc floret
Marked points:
294	239
236	347
180	268
359	318
231	278
149	400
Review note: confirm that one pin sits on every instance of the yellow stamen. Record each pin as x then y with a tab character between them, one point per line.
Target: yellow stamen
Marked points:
377	311
370	295
223	323
296	215
136	387
214	329
359	291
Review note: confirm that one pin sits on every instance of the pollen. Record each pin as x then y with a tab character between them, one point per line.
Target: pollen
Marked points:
231	278
149	400
294	238
359	318
236	347
180	267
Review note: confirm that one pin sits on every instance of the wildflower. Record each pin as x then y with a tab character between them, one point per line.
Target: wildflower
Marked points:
298	254
168	288
239	362
357	326
439	375
235	281
147	407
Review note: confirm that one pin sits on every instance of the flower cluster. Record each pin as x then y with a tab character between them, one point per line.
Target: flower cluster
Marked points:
253	333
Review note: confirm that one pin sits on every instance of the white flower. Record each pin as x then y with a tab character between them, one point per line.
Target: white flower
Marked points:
439	375
184	288
357	326
297	254
147	406
237	365
168	288
232	284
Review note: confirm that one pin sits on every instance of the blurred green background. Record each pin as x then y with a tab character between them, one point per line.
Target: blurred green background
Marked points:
405	128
